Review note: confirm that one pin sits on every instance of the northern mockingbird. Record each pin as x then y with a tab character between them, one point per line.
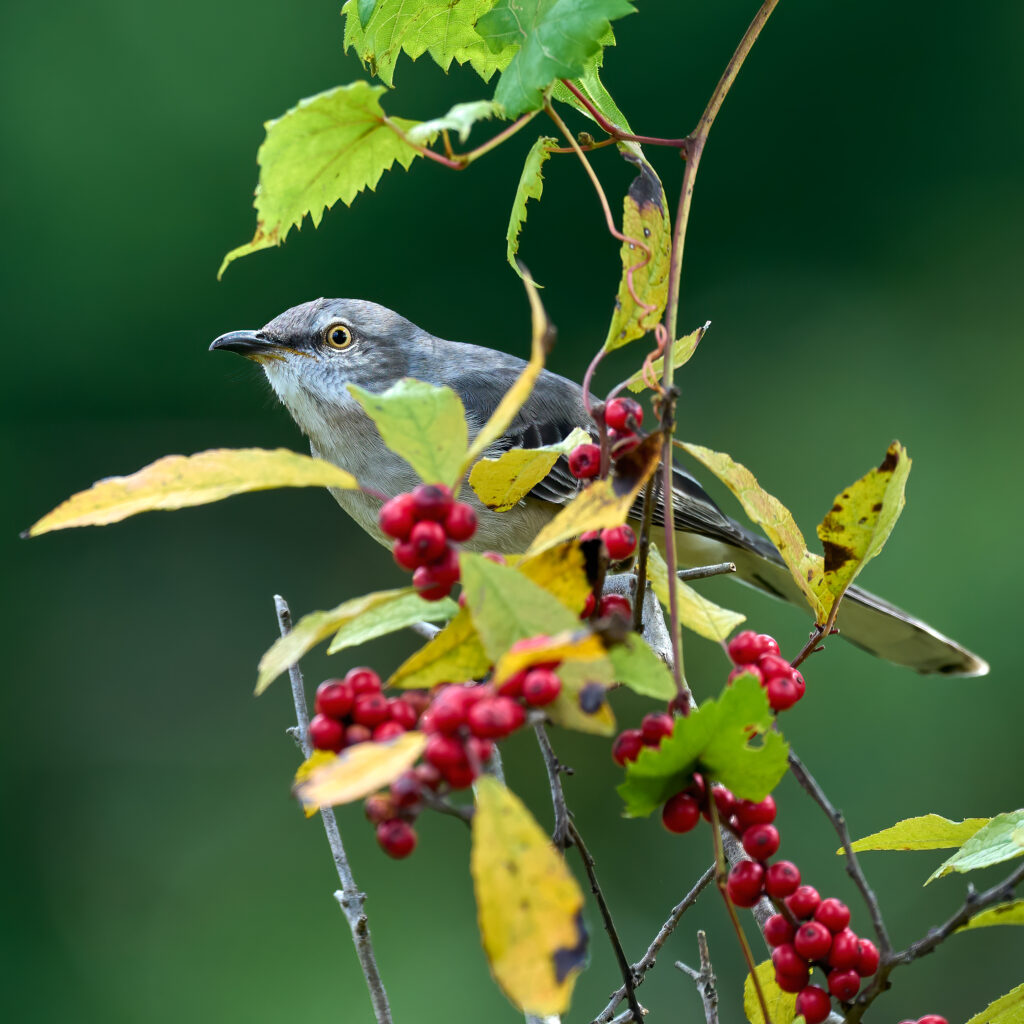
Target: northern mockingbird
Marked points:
311	352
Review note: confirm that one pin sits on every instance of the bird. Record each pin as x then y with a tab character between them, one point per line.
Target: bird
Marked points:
311	352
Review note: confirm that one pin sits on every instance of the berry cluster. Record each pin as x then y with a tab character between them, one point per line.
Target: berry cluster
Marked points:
757	654
422	523
623	417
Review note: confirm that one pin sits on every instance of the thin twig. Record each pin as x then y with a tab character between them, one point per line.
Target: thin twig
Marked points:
853	868
702	572
643	547
350	899
704	979
427	630
430	799
560	834
613	130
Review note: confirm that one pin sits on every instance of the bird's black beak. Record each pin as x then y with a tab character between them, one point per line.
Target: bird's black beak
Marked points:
245	343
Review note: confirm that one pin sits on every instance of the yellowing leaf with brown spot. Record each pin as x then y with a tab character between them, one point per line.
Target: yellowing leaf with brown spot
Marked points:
861	519
357	771
529	905
453	656
776	520
605	502
178	481
781	1005
682	350
927	832
503	482
696	612
568	645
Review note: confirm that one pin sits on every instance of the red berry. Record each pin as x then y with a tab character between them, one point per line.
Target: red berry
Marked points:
429	586
748	646
867	958
800	683
619	541
622	442
541	687
782	879
460	522
428	774
379	807
833	914
334	697
397	838
748	670
479	750
396	516
403	712
725	802
655	727
845	950
513	686
844	985
761	841
698	788
680	813
588	606
620	411
370	709
448	711
932	1018
459	776
680	704
793	982
772	665
326	733
405	556
786	960
444	752
357	734
406	790
812	940
783	693
431	501
495	717
814	1004
363	680
745	883
589	535
804	901
387	731
585	461
760	813
627	746
615	604
493	556
778	931
428	540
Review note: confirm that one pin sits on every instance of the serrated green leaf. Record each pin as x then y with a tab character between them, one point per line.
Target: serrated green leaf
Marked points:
999	840
590	84
641	670
1003	913
555	39
1008	1009
531	186
503	482
424	424
714	739
440	28
927	832
328	148
781	1005
389	618
681	350
364	8
646	254
861	519
460	118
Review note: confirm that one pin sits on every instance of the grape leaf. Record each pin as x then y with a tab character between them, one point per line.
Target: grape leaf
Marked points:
389	618
1003	913
646	253
180	481
424	424
364	8
998	840
590	84
531	186
460	118
529	905
641	670
441	28
682	349
329	147
503	482
555	39
927	832
1008	1009
715	740
781	1005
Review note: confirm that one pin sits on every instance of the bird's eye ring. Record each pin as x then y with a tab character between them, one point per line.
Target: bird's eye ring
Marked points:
338	336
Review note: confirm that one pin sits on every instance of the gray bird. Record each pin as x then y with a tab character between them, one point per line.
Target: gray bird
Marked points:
311	352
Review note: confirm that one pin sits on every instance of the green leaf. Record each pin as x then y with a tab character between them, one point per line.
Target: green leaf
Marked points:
389	618
781	1005
682	350
1008	1009
441	28
330	147
460	118
1003	913
364	9
590	84
927	832
555	39
180	481
531	186
861	519
714	739
639	668
1001	839
503	482
424	424
646	254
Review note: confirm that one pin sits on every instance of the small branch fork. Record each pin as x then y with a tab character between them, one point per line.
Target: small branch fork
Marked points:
350	899
704	979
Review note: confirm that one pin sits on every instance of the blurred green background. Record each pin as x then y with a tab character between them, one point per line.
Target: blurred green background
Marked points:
856	241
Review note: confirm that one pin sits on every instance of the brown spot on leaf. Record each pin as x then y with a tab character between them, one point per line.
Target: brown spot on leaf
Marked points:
645	189
877	507
569	959
837	507
890	462
836	556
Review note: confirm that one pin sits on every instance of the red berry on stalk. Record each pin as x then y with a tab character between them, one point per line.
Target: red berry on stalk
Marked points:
760	813
405	556
620	542
680	704
363	680
495	717
326	733
833	914
867	958
444	752
782	692
406	790
725	802
812	940
844	985
778	931
620	411
379	807
429	585
800	683
370	709
334	697
357	733
845	950
397	838
814	1004
680	813
428	774
479	750
782	879
761	841
513	686
627	746
932	1018
428	540
403	713
396	517
746	880
541	687
772	665
804	901
387	731
615	604
746	647
793	982
459	776
751	670
460	522
431	501
655	727
589	535
786	960
585	461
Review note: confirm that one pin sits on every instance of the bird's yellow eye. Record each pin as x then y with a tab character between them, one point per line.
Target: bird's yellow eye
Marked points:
338	336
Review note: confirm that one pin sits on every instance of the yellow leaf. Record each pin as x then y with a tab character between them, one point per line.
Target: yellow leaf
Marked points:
605	502
357	771
315	760
1008	1009
560	571
569	645
565	710
453	656
927	832
1004	913
503	482
529	905
682	350
781	1005
178	481
776	520
861	519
